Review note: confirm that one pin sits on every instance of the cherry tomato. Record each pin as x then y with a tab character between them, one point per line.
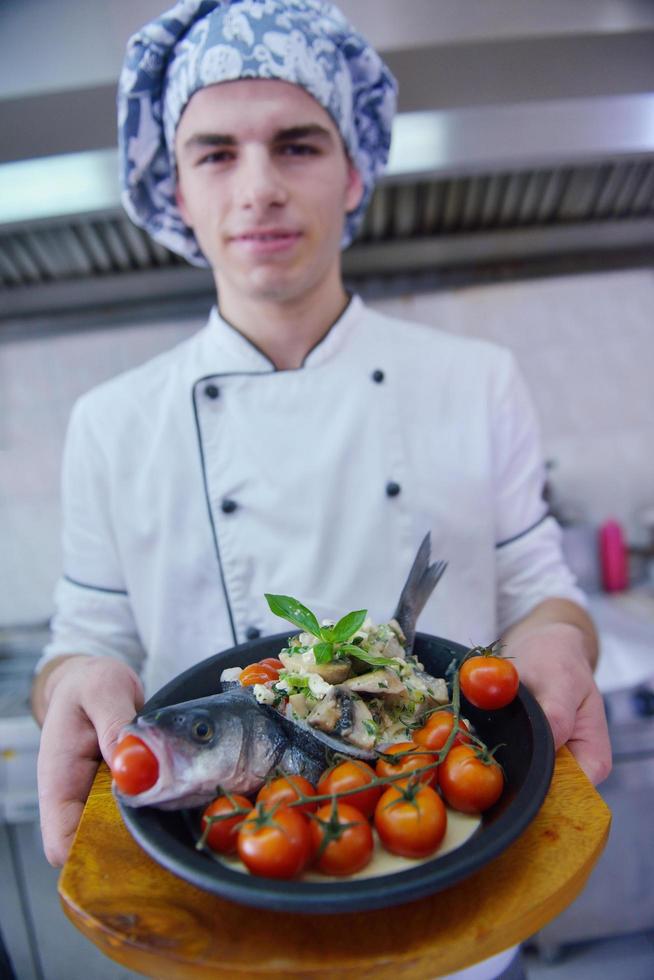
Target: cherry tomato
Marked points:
411	823
434	733
134	766
350	839
348	776
415	758
275	843
469	779
257	674
272	662
488	682
223	834
287	789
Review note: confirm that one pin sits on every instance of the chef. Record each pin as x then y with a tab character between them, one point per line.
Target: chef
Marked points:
300	443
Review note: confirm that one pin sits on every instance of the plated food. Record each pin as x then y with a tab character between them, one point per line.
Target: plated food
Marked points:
333	701
429	765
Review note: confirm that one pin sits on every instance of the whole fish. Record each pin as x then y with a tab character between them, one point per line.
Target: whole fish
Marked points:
230	740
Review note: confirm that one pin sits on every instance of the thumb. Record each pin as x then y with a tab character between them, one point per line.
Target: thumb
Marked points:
111	709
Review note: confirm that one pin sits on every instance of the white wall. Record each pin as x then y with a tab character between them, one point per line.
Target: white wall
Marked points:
585	344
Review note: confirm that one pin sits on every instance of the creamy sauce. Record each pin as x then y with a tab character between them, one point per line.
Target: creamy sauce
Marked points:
460	828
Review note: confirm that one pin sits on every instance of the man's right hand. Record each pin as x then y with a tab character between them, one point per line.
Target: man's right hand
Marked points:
83	703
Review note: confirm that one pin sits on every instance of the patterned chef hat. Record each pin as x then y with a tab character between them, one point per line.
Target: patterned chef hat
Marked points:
203	42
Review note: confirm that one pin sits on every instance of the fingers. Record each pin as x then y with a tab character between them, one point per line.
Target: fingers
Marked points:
87	710
68	760
590	743
553	665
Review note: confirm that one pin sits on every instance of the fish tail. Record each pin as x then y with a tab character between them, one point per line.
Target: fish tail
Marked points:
421	582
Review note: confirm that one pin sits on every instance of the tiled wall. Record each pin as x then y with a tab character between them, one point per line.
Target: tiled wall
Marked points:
585	344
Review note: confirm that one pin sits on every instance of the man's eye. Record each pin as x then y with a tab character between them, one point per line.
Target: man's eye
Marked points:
298	149
216	156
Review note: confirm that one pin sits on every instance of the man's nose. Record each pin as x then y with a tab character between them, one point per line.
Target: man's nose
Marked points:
260	185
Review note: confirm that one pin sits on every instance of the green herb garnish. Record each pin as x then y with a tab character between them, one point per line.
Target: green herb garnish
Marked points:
334	640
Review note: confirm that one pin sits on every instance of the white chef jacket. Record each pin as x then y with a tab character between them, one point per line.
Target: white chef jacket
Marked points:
199	481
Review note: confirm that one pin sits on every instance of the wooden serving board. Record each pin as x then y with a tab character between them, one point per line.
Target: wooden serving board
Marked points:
155	923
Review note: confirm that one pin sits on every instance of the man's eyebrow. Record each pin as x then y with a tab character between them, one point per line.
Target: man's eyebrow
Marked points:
308	131
208	139
301	132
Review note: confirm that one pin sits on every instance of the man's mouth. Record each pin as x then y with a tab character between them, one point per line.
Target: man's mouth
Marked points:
268	238
265	236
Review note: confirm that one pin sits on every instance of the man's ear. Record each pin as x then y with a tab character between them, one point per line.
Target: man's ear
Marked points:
354	190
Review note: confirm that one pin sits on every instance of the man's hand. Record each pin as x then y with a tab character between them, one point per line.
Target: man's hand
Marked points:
553	658
86	702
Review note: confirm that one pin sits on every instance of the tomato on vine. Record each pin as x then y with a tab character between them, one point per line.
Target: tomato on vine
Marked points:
470	779
342	839
409	758
222	834
348	776
488	681
275	843
285	790
434	733
411	821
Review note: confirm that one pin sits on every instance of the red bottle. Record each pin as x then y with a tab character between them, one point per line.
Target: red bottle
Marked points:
613	557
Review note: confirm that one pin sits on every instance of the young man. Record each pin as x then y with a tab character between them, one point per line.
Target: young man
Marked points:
299	443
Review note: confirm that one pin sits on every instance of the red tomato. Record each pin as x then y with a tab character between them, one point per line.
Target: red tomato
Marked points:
411	824
469	779
275	843
257	674
287	789
272	662
134	766
350	839
488	682
348	776
411	758
223	833
434	733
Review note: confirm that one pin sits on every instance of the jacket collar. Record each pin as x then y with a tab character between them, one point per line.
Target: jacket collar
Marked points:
237	354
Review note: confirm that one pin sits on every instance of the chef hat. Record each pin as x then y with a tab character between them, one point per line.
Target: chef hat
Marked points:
203	42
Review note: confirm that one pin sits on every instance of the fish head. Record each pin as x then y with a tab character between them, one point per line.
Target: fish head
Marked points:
222	741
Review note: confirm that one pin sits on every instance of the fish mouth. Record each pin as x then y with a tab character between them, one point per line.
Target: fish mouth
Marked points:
161	750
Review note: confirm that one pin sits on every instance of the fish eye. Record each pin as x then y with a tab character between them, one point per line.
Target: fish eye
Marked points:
202	730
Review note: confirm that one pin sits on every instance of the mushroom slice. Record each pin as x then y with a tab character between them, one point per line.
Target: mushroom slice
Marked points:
363	728
333	672
434	688
299	705
381	682
326	714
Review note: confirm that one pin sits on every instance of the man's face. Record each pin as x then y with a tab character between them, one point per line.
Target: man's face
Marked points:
264	182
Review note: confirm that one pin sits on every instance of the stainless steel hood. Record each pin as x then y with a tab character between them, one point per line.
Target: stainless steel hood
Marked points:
548	170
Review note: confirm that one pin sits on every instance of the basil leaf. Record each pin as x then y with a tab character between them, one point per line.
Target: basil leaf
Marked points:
327	633
348	625
367	658
323	652
292	609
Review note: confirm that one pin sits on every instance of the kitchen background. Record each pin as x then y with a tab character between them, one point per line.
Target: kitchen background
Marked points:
519	208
